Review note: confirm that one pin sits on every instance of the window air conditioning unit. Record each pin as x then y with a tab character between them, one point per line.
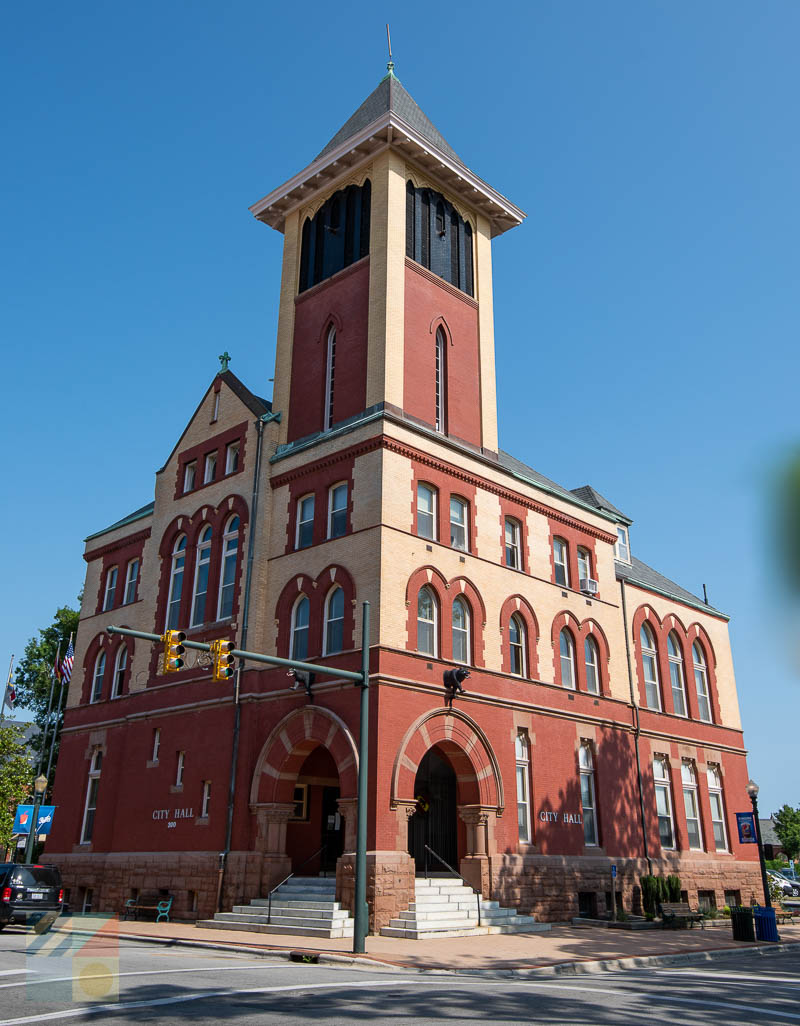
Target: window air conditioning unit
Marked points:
589	586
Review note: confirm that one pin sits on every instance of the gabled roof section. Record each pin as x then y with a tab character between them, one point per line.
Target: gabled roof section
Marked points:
526	473
138	514
588	495
637	572
388	117
390	95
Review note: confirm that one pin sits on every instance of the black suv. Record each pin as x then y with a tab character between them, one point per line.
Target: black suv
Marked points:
31	895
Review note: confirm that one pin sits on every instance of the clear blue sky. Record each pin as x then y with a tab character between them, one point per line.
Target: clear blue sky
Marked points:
646	310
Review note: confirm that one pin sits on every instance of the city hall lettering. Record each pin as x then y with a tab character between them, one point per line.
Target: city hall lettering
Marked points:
176	814
566	817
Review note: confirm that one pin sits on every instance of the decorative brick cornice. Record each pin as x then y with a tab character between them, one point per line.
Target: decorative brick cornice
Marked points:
412	265
121	543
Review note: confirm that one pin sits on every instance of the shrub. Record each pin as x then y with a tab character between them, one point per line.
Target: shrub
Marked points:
726	911
650	895
674	888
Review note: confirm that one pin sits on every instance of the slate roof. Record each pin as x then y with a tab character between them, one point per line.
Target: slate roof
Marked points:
390	95
588	494
253	402
768	835
520	469
638	572
138	514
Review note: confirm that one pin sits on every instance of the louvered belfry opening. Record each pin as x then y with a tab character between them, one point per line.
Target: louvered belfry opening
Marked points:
330	243
438	237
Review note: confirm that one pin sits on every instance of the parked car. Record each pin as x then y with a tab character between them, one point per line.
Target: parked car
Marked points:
30	895
789	887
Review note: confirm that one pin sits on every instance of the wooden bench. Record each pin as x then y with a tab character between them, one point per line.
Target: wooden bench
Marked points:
158	903
787	915
673	913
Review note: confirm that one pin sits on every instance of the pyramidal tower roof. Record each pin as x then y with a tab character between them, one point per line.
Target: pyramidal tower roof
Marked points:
391	95
389	117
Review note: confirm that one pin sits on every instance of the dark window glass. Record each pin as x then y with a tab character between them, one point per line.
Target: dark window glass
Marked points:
349	224
304	254
425	258
411	213
366	198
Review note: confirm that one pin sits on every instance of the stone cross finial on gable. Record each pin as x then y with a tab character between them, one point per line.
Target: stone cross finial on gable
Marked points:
224	360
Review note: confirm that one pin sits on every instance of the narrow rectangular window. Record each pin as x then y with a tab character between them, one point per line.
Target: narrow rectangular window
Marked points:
513	553
584	565
714	776
621	548
181	759
305	522
189	475
560	562
215	415
691	805
232	458
156	743
206	799
588	802
523	757
330	378
426	512
210	468
337	511
90	806
111	588
666	828
459	538
131	580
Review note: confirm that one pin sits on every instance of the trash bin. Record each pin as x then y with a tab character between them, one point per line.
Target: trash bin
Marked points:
766	924
742	923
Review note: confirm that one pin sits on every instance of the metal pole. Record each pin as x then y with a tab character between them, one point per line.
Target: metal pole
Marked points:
764	880
37	801
5	691
361	926
49	708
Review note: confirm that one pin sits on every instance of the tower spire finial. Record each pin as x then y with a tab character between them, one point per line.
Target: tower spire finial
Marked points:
390	65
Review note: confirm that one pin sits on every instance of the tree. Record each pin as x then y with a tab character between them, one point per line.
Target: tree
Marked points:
787	827
34	676
15	778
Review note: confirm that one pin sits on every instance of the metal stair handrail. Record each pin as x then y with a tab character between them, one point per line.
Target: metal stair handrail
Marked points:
436	855
289	877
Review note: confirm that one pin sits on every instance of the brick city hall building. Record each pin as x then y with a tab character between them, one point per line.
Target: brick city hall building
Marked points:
600	725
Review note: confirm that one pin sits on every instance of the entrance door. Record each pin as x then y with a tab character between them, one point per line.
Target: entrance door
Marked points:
435	787
332	830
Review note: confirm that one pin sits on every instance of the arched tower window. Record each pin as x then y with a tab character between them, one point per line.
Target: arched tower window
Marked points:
327	243
441	355
438	237
330	372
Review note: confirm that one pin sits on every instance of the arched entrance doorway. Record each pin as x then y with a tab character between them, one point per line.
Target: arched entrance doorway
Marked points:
315	831
435	822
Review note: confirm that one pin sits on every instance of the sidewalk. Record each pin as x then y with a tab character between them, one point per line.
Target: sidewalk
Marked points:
564	949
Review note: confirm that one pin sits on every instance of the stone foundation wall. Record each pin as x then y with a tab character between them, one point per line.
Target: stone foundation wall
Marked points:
390	885
549	886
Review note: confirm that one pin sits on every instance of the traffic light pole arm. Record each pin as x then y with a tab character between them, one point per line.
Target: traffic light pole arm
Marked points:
257	657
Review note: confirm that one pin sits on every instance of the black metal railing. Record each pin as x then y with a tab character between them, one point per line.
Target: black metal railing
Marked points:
448	866
289	877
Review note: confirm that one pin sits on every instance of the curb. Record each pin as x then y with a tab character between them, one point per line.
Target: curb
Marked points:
570	968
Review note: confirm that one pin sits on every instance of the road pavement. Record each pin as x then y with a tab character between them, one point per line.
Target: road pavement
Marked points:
58	977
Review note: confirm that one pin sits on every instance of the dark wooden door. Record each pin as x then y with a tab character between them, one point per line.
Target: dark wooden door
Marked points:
435	786
332	829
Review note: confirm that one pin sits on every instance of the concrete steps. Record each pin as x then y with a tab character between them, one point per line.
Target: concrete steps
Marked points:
303	906
446	907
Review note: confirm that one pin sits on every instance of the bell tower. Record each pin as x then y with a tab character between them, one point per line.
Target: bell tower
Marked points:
386	285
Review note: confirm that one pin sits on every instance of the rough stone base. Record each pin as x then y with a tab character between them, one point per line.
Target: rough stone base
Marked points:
549	886
390	885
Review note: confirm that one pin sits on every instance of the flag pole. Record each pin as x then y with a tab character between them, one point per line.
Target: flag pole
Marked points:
53	675
58	714
5	691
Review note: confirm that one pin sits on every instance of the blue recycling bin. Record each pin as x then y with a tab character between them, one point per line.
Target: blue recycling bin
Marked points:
766	923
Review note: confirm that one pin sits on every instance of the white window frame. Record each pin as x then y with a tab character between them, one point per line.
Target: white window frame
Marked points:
98	676
691	804
120	666
206	799
422	514
92	787
561	561
663	787
677	677
513	543
584	564
652	683
701	682
131	582
156	743
459	529
567	659
590	645
295	628
227	569
209	467
338	489
179	768
232	457
521	645
177	570
588	796
301	523
330	377
622	549
522	753
111	588
329	619
202	568
439	380
190	476
433	622
464	633
717	803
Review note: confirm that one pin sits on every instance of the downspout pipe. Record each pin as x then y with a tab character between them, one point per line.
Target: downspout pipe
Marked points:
237	708
636	730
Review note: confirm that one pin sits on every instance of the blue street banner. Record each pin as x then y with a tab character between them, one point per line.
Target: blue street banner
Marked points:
24	817
746	823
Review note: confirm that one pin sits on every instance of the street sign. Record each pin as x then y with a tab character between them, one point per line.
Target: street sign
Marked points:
613	872
746	823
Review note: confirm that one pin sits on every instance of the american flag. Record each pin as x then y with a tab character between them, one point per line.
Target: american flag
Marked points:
67	661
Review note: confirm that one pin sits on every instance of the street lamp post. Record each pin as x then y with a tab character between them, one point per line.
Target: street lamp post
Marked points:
752	791
39	788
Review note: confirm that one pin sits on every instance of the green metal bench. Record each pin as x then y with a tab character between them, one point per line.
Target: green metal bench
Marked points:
157	903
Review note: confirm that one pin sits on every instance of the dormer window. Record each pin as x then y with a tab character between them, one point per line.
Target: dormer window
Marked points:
621	549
